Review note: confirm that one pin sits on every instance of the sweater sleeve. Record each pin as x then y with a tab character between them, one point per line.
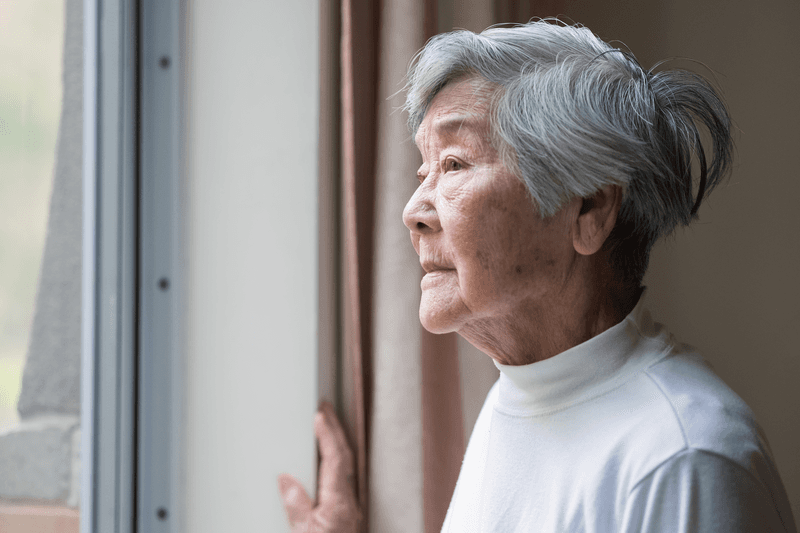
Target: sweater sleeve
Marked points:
702	491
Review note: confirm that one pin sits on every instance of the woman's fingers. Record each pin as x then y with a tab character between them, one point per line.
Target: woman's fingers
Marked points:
337	430
296	500
336	471
337	509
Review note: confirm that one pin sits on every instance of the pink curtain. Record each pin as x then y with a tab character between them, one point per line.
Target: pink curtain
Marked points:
358	97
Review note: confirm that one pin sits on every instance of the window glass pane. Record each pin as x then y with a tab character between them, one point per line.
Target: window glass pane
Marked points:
31	35
40	231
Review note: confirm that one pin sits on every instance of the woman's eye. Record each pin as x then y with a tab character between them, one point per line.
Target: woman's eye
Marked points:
451	165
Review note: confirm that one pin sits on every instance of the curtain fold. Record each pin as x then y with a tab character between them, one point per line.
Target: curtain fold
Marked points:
401	394
358	74
397	432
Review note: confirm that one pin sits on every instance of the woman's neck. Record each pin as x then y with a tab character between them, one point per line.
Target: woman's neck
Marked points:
535	330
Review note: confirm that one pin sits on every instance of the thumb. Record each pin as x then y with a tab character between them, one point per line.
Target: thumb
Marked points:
296	501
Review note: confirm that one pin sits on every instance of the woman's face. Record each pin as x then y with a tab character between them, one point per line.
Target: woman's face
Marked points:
486	251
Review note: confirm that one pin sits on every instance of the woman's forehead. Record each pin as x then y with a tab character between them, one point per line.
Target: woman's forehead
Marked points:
460	105
453	125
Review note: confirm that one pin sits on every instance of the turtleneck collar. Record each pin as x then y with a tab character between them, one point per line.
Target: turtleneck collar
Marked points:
586	370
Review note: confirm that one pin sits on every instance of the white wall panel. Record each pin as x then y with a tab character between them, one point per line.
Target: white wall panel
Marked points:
251	257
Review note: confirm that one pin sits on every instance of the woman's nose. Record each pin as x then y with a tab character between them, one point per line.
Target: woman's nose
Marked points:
420	215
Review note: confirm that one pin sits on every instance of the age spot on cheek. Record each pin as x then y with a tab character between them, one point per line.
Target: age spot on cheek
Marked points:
498	204
483	259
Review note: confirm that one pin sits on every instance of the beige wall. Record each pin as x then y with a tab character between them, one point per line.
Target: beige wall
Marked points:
729	283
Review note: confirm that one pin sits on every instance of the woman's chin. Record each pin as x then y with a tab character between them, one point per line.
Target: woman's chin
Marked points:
437	321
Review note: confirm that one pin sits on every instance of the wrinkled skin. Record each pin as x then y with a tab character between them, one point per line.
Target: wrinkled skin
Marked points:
519	287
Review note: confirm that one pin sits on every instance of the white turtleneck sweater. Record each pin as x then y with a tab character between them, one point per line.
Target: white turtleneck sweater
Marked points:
628	432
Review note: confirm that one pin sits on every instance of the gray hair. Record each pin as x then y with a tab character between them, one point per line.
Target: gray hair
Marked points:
572	114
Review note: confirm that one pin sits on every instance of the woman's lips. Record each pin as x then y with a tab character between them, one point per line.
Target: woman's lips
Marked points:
431	266
434	276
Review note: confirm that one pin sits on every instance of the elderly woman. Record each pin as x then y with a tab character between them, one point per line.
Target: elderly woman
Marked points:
552	162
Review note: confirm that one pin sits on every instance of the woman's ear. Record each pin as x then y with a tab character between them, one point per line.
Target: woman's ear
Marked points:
596	219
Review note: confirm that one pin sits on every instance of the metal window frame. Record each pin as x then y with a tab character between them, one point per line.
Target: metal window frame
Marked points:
161	366
109	267
132	393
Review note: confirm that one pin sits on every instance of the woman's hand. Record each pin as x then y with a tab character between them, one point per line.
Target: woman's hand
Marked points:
337	508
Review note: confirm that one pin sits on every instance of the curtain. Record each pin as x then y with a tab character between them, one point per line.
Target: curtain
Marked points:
407	398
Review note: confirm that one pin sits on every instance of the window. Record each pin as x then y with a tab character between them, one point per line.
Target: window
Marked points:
102	432
40	264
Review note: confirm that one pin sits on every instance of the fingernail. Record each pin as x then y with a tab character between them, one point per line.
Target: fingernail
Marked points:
289	491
